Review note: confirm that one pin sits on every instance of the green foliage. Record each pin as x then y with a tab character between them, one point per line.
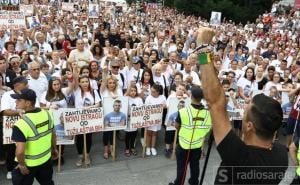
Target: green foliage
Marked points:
236	10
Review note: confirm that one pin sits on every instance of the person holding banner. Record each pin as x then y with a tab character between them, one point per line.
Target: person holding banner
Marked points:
156	97
130	135
35	142
85	97
193	123
8	108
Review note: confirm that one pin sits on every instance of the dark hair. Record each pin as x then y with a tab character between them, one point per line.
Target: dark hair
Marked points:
51	93
157	55
253	76
225	82
93	49
179	73
147	70
231	72
9	43
64	71
266	115
136	90
43	65
272	68
35	45
83	68
158	88
89	88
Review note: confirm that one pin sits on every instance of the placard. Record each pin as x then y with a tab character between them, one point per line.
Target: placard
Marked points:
146	115
12	20
173	109
93	10
27	9
215	18
115	111
61	137
67	7
81	120
8	123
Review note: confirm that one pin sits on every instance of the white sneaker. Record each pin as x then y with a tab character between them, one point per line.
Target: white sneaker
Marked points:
8	175
148	151
153	151
142	141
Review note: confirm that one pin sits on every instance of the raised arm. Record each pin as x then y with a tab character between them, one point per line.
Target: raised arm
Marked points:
213	92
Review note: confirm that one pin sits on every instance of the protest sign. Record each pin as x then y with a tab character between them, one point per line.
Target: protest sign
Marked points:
93	10
146	116
215	18
12	20
8	123
34	22
173	109
26	9
115	111
61	138
10	5
81	120
67	7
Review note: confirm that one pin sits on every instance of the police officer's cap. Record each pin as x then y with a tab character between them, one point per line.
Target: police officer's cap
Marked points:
26	94
197	93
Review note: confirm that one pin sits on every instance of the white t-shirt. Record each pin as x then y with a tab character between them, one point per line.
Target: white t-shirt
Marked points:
150	100
132	74
247	86
87	99
76	55
39	86
107	93
137	101
161	80
60	103
193	74
7	102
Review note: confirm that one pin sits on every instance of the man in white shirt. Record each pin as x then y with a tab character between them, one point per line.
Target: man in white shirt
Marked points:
189	75
134	72
173	57
37	81
81	55
45	48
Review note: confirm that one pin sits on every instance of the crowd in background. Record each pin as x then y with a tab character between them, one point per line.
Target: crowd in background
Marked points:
146	53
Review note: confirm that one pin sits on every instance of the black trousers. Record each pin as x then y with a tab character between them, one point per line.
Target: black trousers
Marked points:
10	156
42	173
2	148
108	138
80	143
169	136
182	160
296	180
130	139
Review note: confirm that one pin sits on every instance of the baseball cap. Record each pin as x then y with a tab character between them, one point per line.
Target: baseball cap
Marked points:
137	59
197	92
26	94
20	79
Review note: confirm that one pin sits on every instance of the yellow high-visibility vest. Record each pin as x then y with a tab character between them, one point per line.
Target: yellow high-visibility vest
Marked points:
298	158
37	129
197	120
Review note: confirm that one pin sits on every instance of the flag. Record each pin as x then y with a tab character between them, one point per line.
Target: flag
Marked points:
205	58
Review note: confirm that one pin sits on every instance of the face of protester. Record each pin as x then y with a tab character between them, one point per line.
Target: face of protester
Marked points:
84	84
56	85
249	74
34	71
132	92
111	85
218	65
187	66
147	77
85	72
276	78
117	107
154	93
226	87
178	79
157	71
180	90
94	66
259	72
55	56
80	45
234	65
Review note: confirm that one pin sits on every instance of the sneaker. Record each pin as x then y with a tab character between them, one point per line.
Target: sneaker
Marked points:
88	160
153	151
148	151
142	141
79	161
8	175
168	153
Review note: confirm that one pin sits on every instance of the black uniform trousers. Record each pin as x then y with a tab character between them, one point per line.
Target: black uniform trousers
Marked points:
42	173
183	158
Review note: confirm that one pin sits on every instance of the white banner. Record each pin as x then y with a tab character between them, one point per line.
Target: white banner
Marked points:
146	115
27	9
12	20
79	120
8	123
68	7
61	138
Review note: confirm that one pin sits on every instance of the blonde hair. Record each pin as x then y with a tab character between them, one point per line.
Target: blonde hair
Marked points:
111	77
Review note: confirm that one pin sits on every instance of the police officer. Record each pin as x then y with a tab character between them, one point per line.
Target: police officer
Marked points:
295	156
193	123
35	142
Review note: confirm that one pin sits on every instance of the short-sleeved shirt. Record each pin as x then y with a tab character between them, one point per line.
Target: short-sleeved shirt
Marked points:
114	119
240	160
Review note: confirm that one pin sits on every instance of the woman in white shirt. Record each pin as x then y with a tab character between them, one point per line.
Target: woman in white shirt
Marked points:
130	136
246	85
85	71
156	97
85	97
109	88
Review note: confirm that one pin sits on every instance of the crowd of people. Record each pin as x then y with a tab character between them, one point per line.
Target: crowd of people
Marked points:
71	60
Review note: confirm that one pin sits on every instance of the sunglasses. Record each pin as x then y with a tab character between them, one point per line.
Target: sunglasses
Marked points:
115	67
36	69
